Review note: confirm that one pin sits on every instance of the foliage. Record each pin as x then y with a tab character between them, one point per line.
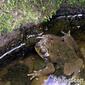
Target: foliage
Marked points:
13	13
16	12
77	2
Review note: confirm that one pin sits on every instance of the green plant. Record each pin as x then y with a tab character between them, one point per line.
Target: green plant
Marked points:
17	12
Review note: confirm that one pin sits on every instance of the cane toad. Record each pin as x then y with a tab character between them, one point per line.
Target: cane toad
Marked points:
54	49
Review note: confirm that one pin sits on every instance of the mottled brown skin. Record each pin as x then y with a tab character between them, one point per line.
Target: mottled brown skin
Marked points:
54	49
68	39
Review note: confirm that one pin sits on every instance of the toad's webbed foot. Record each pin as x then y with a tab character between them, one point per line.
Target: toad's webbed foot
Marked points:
46	71
34	74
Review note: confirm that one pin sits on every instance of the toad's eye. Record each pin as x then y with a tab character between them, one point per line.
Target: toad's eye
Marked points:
43	50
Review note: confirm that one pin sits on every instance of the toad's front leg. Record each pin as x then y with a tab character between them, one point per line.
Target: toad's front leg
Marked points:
49	69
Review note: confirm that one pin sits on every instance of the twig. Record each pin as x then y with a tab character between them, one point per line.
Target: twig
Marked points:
8	52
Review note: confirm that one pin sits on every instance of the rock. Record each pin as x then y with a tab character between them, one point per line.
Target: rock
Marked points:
17	75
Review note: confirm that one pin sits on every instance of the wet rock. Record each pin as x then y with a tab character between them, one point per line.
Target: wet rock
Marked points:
17	75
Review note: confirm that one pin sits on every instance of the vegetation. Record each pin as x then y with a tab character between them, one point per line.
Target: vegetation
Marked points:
15	12
77	2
